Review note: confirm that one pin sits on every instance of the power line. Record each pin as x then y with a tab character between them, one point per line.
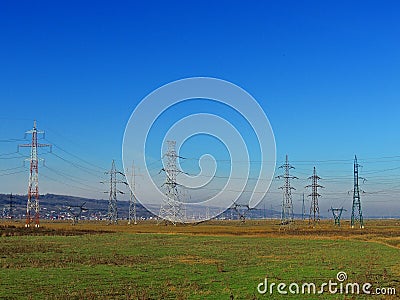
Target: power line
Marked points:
13	173
9	153
10	169
77	157
11	140
70	177
67	184
14	157
373	160
78	166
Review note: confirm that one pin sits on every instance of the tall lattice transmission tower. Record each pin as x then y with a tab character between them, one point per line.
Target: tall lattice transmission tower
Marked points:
172	209
32	205
314	209
303	209
356	212
132	216
112	215
287	204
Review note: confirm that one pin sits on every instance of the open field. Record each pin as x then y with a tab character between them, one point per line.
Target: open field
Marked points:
215	260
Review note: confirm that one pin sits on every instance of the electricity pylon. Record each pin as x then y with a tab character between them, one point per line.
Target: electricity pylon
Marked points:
112	215
33	184
11	207
241	210
337	214
287	204
303	207
356	212
76	211
314	209
132	216
172	209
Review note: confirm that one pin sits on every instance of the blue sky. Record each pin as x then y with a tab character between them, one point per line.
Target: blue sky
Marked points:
325	72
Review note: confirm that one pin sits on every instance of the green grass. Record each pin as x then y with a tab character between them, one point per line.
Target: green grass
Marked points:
162	266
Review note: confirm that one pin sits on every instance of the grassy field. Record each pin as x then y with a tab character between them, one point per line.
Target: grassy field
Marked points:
215	260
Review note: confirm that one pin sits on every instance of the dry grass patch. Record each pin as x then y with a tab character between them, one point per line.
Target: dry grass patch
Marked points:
190	259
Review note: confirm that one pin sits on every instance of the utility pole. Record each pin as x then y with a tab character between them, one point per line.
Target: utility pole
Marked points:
33	184
356	212
172	209
314	209
112	215
337	214
287	204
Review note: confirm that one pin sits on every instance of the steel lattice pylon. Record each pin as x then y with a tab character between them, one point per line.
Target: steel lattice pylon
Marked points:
76	212
356	212
314	209
287	204
337	214
112	215
33	184
132	217
172	209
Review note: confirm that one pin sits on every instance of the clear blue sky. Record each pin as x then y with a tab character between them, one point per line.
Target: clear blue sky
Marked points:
326	73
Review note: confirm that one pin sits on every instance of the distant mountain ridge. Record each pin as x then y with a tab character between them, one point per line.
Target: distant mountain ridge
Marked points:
56	206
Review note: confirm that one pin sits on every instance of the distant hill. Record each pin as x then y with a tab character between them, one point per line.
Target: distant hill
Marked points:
56	207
